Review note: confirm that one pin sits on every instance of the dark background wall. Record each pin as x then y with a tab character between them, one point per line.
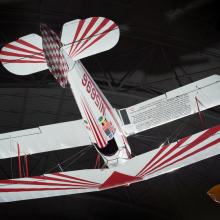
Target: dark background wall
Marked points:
163	45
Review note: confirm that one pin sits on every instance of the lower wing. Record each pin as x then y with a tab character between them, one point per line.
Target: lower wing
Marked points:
44	138
173	105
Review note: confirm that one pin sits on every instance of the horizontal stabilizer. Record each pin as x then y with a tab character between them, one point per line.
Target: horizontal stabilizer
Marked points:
45	138
83	38
24	56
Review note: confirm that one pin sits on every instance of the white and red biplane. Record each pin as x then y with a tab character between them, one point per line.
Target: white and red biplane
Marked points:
101	126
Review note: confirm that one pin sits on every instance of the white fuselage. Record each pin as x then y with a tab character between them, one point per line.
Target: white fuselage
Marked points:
100	118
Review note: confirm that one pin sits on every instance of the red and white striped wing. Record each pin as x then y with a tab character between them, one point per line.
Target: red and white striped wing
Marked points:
24	56
165	159
83	38
184	152
44	186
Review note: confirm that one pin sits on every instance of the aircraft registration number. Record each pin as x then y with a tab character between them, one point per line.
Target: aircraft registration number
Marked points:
94	94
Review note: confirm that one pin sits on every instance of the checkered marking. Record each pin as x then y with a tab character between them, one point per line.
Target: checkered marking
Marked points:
54	56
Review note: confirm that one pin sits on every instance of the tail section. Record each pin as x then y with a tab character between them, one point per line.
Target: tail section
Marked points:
99	116
24	56
80	38
83	38
54	55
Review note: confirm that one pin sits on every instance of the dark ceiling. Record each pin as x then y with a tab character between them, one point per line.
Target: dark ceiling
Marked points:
163	45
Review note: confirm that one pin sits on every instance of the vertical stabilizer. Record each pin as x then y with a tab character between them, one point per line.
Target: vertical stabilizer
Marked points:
54	56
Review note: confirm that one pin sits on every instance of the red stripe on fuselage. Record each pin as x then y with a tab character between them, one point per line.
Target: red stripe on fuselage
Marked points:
95	134
91	125
97	126
103	98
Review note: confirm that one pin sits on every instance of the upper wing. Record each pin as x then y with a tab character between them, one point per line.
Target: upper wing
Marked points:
173	105
24	56
83	38
44	138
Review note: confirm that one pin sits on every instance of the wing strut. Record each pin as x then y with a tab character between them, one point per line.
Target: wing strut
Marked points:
19	161
201	115
26	165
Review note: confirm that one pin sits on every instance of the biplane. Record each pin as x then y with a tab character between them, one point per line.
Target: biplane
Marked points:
101	126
